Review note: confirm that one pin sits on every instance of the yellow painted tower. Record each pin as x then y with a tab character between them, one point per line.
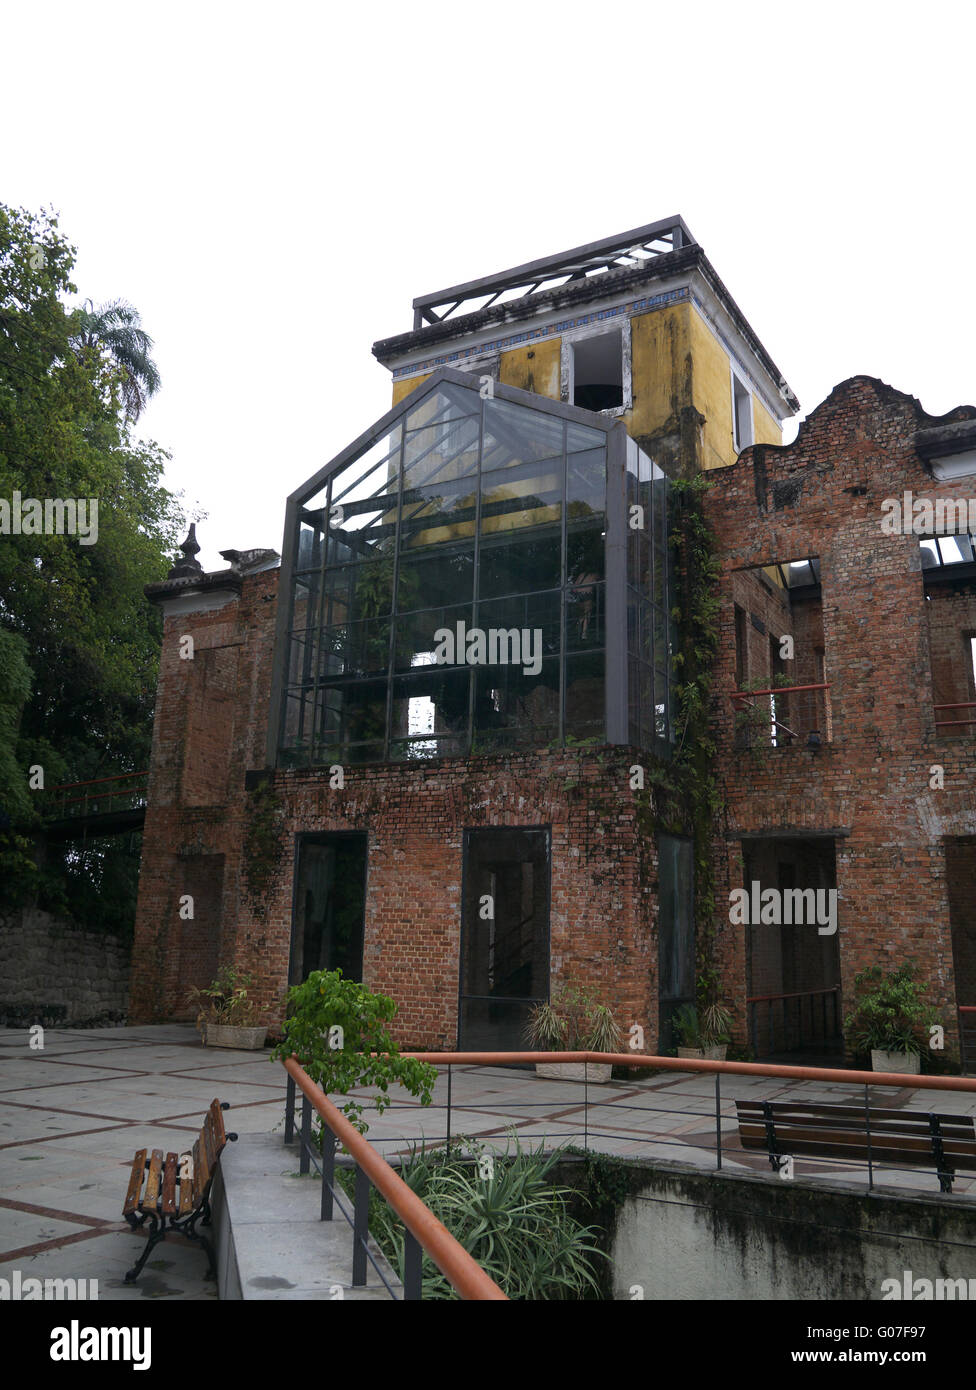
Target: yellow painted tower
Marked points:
637	326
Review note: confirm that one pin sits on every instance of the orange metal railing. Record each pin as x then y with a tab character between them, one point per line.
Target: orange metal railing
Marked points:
465	1275
804	705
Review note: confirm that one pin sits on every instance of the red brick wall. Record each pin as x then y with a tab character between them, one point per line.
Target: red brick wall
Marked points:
822	496
603	904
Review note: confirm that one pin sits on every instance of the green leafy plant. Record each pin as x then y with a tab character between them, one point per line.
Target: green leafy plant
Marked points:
338	1031
710	1027
889	1013
506	1211
572	1022
225	1001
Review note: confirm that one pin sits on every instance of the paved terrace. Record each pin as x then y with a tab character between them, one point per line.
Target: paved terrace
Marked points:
72	1116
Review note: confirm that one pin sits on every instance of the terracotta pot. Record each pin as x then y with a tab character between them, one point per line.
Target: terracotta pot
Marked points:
907	1063
593	1072
225	1035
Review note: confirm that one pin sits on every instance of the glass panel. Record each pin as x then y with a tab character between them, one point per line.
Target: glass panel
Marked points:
439	513
436	576
585	615
578	438
520	561
585	697
515	708
358	592
417	639
522	498
356	649
586	484
429	707
441	453
518	434
448	402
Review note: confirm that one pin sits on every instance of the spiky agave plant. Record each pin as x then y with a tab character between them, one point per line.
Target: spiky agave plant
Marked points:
507	1214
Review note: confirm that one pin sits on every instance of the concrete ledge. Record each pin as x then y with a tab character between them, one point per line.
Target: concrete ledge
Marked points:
270	1242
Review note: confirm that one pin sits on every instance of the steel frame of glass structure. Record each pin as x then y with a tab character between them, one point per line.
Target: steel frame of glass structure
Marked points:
483	570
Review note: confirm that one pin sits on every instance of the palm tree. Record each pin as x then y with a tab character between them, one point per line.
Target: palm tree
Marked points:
115	330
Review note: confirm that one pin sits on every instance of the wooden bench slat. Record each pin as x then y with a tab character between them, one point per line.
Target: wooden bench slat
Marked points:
896	1138
201	1172
135	1183
168	1204
219	1130
918	1127
186	1191
207	1137
856	1113
150	1198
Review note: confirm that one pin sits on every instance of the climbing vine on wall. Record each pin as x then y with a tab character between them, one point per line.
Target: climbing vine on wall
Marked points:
686	789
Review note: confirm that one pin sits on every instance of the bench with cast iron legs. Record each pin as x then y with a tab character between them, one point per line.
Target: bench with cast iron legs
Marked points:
892	1138
173	1194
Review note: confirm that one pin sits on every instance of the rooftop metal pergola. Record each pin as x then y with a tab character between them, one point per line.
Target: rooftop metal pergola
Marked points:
626	250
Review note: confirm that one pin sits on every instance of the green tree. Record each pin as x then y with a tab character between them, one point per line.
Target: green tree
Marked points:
87	635
115	331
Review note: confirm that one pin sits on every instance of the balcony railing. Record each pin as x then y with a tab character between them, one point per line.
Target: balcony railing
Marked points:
783	716
807	1018
125	792
954	723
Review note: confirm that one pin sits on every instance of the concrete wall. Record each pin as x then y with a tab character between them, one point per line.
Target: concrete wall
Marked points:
54	972
695	1235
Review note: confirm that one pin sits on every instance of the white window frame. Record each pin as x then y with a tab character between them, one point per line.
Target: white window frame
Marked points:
600	329
738	444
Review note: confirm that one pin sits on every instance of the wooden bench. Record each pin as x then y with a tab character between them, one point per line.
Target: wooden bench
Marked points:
176	1190
894	1138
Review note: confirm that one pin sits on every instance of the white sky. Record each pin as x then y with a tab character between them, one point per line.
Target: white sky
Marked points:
272	185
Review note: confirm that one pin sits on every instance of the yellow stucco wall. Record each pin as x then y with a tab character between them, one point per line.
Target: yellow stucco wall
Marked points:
405	385
659	347
713	397
767	430
534	367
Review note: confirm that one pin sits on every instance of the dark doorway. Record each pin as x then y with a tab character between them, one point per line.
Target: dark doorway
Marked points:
793	1003
329	906
504	936
676	932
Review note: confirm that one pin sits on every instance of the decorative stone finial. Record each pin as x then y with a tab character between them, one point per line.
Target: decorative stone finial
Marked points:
189	566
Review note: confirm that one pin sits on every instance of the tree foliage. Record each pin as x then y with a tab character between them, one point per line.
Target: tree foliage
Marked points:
84	631
338	1031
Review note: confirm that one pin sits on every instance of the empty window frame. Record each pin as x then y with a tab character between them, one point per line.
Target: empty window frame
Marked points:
597	371
742	432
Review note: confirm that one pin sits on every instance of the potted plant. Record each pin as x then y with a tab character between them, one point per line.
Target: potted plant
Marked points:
706	1036
888	1018
227	1017
572	1022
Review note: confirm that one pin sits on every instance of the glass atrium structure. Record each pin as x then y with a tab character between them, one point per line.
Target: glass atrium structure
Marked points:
485	570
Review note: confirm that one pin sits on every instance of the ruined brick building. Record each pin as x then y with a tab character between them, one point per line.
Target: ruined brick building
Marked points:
416	748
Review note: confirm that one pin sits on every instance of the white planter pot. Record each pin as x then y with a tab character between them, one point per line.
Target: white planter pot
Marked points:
708	1054
223	1035
597	1072
908	1063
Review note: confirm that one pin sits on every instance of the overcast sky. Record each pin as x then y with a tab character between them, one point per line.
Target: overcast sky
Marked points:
272	185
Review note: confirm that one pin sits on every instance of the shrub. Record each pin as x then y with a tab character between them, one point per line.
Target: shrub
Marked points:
338	1031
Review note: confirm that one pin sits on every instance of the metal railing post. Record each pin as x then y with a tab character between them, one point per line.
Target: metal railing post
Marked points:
306	1139
289	1108
718	1118
360	1227
413	1280
867	1128
328	1172
586	1110
449	1080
